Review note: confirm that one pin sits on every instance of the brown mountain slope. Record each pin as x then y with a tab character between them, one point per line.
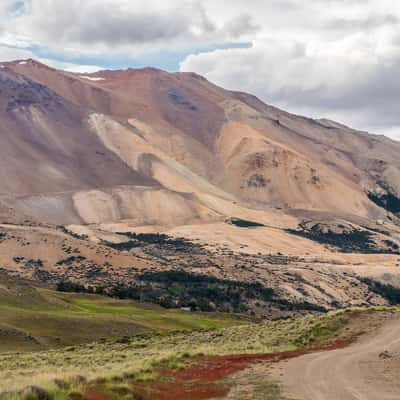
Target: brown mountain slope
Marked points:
47	147
91	142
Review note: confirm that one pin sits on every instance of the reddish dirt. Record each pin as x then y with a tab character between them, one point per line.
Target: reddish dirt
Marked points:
204	378
179	390
91	395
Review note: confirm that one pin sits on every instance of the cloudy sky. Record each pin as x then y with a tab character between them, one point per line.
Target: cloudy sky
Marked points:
338	59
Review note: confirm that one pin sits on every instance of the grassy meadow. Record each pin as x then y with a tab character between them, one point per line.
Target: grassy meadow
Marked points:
136	358
61	319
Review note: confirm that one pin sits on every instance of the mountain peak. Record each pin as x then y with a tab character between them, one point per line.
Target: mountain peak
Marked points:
29	62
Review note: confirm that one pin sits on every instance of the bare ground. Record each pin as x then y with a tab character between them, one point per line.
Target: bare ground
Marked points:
369	369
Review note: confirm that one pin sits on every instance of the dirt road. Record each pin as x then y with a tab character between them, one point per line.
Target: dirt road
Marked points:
367	370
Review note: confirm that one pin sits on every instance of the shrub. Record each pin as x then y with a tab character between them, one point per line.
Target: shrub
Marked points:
242	223
387	201
357	241
388	292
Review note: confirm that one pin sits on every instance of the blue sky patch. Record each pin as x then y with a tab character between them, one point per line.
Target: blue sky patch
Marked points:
166	60
16	8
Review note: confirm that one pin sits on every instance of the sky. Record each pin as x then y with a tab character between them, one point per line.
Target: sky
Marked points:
337	59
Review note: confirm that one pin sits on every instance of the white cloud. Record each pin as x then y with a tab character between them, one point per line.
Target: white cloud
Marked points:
344	66
393	132
118	26
10	54
78	68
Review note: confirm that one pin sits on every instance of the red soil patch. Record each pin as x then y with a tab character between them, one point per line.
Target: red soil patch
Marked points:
90	395
204	379
179	390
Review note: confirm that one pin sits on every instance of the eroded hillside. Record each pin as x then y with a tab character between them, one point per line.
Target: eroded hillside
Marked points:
306	209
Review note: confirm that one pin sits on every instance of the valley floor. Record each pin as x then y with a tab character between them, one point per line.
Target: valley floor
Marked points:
237	362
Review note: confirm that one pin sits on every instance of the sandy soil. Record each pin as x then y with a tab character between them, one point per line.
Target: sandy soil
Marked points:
367	370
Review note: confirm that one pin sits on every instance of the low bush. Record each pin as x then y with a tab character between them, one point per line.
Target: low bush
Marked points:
387	201
389	292
356	241
242	223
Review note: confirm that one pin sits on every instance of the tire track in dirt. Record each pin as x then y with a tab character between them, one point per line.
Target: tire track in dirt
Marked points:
357	372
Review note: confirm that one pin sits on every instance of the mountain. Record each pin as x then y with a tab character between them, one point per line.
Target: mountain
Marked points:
109	146
111	176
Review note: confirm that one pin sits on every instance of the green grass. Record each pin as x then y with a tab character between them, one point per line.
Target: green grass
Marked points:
56	319
149	316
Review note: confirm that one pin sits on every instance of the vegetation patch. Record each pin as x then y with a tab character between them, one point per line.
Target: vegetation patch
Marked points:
71	260
300	306
155	239
206	293
68	286
242	223
387	201
123	246
195	292
70	233
356	241
388	292
28	262
180	289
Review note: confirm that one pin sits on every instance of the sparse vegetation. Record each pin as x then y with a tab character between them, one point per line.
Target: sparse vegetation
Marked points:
70	233
147	239
254	384
356	241
305	306
388	292
122	246
71	260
